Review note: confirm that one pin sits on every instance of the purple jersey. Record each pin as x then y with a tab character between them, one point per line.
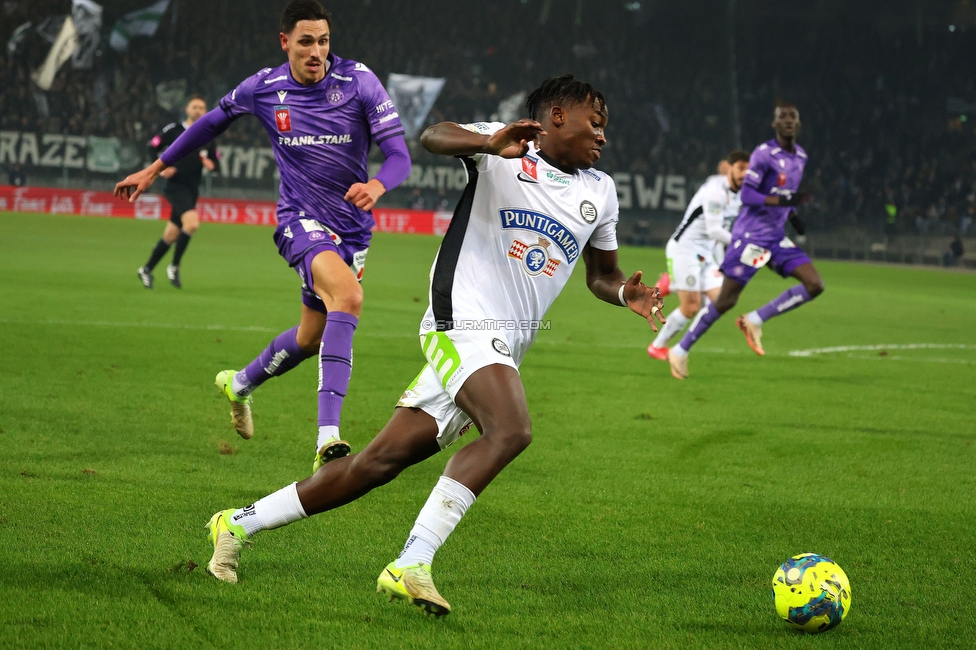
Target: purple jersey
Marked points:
772	170
321	136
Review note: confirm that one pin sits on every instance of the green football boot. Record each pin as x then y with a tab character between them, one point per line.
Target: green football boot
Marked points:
240	407
228	539
332	449
415	585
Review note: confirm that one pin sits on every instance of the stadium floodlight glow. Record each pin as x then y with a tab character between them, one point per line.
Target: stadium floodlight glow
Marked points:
632	6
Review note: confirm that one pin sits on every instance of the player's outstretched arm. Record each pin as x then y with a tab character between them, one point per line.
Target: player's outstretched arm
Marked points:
511	141
201	133
608	283
135	184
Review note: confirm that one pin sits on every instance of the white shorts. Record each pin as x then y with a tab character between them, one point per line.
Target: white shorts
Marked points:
690	271
452	357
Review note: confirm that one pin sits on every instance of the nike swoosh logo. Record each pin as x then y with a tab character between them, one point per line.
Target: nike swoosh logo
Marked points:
395	579
526	179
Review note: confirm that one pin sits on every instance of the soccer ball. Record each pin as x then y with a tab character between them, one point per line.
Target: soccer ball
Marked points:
811	593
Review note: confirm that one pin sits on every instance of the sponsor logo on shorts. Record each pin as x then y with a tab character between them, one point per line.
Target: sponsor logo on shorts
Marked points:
588	212
316	236
691	280
501	347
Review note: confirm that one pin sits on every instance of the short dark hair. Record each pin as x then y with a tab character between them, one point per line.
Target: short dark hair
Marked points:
739	155
784	104
566	88
303	10
196	96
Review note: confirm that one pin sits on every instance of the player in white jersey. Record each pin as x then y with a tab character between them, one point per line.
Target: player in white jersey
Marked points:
531	209
693	250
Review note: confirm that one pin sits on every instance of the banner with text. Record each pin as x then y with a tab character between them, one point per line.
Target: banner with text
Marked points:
153	207
668	192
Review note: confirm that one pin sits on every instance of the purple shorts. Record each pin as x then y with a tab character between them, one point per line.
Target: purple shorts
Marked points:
300	240
745	256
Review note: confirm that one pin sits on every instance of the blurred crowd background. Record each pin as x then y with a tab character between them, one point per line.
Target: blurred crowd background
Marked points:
886	90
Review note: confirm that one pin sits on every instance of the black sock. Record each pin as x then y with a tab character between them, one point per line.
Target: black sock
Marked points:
181	243
157	254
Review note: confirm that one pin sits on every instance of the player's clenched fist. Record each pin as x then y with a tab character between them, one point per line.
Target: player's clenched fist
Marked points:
365	195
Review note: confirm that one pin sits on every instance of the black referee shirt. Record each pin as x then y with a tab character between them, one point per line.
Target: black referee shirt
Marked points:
188	169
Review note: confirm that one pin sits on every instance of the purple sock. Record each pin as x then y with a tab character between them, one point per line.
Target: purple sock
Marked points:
710	316
278	358
335	356
788	300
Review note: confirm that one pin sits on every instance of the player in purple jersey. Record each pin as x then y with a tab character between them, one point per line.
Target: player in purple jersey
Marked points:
322	113
770	195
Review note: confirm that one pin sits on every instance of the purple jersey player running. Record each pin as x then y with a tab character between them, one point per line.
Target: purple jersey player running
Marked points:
769	196
322	113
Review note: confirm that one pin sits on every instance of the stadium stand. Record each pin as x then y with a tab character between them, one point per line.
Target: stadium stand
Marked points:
887	104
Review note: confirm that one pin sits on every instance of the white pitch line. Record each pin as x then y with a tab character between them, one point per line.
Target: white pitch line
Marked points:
169	326
893	346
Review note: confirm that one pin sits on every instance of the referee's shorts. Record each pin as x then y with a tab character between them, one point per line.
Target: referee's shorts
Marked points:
182	199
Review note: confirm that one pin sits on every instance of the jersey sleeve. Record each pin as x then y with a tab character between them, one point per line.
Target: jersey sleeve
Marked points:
483	160
713	210
758	166
605	235
240	101
378	108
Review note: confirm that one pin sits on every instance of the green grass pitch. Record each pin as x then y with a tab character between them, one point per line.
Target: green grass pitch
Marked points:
647	512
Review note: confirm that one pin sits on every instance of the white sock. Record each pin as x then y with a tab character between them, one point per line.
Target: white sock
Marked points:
679	351
326	434
442	512
273	511
675	321
241	387
754	318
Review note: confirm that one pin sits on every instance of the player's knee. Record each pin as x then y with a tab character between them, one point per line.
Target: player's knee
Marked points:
690	307
814	287
725	303
190	228
349	301
516	436
308	341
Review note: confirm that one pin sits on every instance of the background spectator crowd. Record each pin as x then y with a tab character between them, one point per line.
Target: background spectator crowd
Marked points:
886	90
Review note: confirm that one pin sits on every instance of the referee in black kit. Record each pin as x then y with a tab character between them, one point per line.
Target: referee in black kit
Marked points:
181	190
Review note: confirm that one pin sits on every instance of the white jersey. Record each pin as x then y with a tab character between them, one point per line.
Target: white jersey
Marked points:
708	218
516	236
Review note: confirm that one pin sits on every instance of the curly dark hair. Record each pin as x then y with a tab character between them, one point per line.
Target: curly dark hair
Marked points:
557	90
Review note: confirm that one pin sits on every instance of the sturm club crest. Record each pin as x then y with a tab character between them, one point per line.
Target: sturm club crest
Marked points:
534	257
501	347
588	212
